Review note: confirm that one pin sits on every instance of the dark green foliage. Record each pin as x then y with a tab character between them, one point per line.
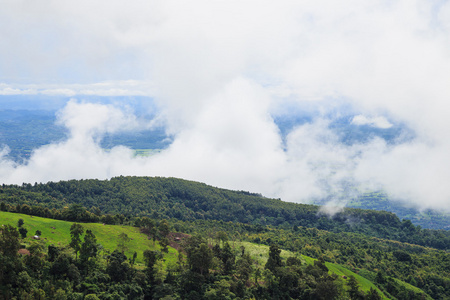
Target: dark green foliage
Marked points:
293	261
164	228
151	258
228	259
23	232
76	231
402	255
118	267
53	253
373	295
89	246
199	255
164	243
353	289
244	267
9	241
20	223
60	266
274	260
200	258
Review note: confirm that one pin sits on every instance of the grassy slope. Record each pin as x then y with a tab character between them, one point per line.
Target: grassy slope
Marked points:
106	234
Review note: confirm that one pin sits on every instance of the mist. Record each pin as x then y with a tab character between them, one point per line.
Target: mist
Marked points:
219	72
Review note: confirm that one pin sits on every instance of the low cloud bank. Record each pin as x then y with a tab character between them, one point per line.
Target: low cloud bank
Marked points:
234	143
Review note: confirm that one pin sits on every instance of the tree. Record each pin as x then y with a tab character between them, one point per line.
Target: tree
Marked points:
9	240
150	259
118	267
228	259
164	243
53	252
222	237
75	212
133	260
20	223
274	260
147	223
328	290
38	233
89	246
123	242
244	267
164	228
200	259
373	295
221	290
353	290
35	261
402	255
24	281
76	231
23	232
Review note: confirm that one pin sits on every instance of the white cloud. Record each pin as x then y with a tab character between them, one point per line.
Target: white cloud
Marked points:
105	89
379	121
218	70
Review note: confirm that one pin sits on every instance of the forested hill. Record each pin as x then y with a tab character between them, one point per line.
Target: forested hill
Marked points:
130	197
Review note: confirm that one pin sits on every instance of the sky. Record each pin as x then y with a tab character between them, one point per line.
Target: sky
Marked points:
219	72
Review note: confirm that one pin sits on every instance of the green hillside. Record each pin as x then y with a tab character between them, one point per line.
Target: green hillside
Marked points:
356	252
58	233
187	201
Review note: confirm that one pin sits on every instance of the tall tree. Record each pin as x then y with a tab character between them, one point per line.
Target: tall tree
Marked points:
89	246
76	231
150	259
274	260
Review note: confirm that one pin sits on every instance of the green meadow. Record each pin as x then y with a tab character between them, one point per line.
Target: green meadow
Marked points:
58	233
